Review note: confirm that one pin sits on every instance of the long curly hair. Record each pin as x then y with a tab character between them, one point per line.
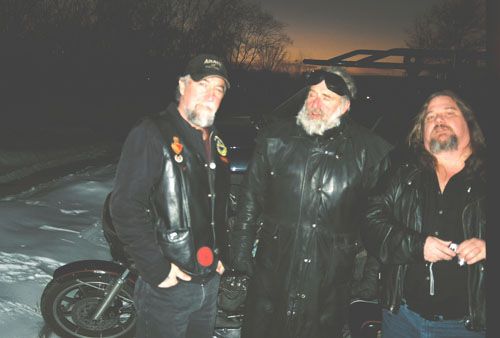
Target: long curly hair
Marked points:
416	136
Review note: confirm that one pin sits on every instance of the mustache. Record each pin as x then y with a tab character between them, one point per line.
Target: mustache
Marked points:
315	110
441	127
207	105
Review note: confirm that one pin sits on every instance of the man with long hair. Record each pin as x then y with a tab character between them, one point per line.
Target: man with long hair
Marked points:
427	227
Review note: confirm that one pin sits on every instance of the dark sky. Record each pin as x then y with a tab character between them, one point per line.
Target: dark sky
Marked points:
325	28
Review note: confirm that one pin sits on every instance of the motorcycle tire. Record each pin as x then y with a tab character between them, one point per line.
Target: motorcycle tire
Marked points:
68	304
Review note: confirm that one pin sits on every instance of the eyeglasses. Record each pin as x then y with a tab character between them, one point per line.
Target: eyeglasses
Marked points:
333	82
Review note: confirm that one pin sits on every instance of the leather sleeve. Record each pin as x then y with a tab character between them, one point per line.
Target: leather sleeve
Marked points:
385	233
250	206
139	168
367	287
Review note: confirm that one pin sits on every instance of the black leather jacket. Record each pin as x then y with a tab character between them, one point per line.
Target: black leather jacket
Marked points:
160	195
307	193
393	234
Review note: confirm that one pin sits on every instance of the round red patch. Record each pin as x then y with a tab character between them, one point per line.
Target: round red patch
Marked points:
205	256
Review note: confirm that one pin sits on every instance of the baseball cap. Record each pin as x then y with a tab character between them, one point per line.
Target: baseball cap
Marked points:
204	65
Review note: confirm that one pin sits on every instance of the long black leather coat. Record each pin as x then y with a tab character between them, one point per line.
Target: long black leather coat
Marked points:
393	234
306	194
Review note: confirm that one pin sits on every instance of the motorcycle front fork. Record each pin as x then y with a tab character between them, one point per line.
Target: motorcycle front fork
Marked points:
110	294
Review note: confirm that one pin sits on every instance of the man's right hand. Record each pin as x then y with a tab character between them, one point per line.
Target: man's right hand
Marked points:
171	279
436	250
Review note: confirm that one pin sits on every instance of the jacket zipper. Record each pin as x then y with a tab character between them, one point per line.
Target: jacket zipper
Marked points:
467	232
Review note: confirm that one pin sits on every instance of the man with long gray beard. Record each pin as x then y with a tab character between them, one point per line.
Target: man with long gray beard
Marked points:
427	226
169	204
304	193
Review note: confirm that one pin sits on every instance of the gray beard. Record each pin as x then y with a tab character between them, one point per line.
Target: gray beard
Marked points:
200	120
318	127
451	143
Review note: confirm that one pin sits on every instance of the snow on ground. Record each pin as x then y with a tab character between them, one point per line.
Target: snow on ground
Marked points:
40	229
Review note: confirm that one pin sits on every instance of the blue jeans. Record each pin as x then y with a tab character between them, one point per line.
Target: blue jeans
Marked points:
186	310
409	324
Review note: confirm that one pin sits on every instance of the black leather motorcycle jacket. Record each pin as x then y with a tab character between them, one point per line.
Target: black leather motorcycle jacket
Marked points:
307	193
393	234
169	200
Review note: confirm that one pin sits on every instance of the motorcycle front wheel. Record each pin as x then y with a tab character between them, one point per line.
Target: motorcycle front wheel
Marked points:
68	306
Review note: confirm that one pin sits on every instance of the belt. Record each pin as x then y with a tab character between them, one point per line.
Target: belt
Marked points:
436	317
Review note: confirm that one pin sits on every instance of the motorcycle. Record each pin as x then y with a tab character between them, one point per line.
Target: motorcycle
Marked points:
94	298
365	319
90	298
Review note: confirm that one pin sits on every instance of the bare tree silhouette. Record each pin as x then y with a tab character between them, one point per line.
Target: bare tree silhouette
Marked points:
173	29
450	24
260	41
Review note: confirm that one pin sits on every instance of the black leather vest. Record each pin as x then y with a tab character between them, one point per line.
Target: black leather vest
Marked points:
190	201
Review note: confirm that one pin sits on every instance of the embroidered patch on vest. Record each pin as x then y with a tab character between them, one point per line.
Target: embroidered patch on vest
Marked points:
221	147
205	256
177	148
176	145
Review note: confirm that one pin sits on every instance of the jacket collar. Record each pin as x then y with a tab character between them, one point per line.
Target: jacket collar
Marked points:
186	128
474	178
191	136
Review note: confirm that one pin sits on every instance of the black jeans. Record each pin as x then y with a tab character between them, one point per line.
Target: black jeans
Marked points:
186	310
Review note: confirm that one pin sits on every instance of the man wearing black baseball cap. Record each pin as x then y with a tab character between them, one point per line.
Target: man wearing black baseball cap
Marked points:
206	65
169	206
